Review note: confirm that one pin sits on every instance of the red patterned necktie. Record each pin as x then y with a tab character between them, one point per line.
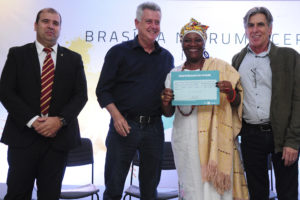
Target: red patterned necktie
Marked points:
47	81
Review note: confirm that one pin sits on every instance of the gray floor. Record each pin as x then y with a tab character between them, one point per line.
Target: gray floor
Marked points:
101	188
3	191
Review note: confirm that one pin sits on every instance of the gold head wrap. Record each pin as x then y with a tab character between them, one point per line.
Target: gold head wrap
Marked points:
195	27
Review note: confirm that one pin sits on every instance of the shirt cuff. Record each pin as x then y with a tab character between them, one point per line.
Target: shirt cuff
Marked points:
29	124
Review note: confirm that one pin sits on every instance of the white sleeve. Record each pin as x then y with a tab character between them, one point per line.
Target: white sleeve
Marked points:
29	124
168	81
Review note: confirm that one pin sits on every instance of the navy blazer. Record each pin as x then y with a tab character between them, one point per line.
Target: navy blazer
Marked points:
20	90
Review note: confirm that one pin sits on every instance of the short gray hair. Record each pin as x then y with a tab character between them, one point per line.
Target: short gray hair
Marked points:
147	5
257	10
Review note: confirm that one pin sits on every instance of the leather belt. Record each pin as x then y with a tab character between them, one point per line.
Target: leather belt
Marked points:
266	127
142	119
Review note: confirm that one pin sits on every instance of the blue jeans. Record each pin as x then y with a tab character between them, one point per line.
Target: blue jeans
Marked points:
148	139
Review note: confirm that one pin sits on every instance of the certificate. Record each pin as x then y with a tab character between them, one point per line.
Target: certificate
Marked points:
195	88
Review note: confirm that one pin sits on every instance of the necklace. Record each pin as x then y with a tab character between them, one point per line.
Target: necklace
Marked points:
190	66
186	114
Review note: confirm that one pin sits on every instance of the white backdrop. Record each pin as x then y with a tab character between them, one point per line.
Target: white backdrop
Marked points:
91	27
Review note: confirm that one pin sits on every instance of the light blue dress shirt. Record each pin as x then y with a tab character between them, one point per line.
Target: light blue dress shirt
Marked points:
256	79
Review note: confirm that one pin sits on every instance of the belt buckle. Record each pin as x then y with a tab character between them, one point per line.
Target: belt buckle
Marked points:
265	128
144	119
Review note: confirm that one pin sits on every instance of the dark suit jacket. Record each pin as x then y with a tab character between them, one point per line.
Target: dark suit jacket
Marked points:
20	90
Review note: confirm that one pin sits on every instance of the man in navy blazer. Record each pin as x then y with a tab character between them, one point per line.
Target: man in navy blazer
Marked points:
38	144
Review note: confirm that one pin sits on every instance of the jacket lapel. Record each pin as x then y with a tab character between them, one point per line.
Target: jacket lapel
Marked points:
59	57
59	64
58	71
274	58
34	62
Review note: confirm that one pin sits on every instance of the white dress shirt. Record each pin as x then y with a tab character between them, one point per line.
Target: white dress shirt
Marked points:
42	55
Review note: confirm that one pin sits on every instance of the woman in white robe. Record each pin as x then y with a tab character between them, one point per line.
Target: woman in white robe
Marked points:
201	174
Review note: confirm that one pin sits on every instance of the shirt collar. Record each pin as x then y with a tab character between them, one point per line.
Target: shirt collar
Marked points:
262	54
136	44
40	47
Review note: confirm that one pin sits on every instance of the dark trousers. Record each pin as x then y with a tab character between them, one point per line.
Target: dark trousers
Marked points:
256	145
148	139
38	161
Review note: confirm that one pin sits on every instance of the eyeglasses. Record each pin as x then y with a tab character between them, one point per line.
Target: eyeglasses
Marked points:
253	70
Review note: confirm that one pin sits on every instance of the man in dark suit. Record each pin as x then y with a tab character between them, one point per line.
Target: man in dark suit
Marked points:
39	139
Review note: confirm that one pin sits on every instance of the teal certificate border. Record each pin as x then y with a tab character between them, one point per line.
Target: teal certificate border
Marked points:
195	88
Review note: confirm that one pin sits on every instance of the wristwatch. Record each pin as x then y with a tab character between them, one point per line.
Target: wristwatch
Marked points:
63	121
